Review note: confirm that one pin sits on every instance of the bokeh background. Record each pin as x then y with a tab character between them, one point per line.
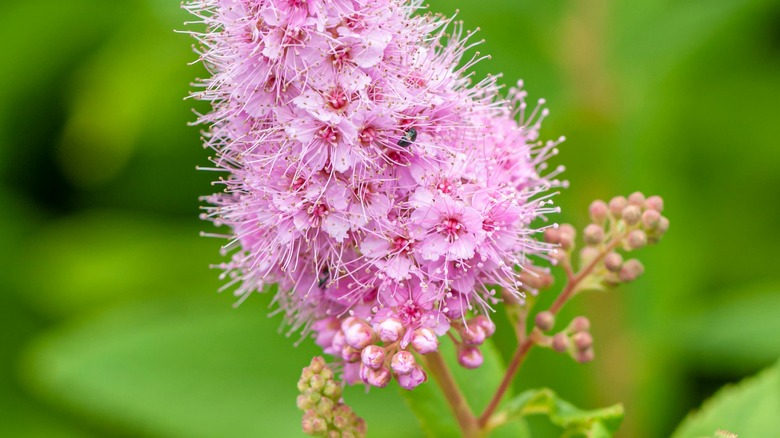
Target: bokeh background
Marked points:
110	324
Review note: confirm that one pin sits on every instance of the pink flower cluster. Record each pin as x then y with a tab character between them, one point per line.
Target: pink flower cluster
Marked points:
385	194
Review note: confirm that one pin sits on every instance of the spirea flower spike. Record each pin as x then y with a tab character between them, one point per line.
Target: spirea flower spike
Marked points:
383	191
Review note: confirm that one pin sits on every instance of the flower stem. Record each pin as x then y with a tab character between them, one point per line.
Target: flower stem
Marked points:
514	365
460	407
522	349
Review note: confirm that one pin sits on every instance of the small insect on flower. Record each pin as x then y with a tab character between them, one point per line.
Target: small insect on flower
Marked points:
324	278
410	135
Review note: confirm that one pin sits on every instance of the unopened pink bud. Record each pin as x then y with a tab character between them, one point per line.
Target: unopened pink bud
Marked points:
598	211
339	341
425	341
663	225
582	340
552	235
403	362
650	219
379	378
584	356
373	356
389	330
359	335
545	321
473	335
568	234
470	357
655	203
314	425
488	326
594	234
616	206
317	364
412	380
636	239
579	324
632	214
636	198
350	354
560	342
631	270
613	261
349	322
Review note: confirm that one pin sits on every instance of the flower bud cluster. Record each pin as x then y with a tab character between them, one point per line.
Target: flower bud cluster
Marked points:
473	334
374	354
320	399
622	224
575	340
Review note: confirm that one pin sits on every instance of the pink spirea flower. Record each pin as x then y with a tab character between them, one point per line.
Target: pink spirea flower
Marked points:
368	176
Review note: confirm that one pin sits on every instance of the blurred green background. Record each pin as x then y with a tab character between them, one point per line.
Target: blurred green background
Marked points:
111	324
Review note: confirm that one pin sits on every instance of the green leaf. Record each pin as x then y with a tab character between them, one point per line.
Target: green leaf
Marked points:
750	408
190	368
104	257
733	331
575	422
478	386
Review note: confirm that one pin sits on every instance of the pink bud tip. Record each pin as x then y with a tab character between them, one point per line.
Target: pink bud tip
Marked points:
551	235
425	341
412	380
379	378
350	354
655	203
568	234
560	342
545	321
579	324
359	335
373	356
598	211
632	214
594	234
636	198
584	356
470	357
636	239
650	219
582	340
631	270
613	261
389	330
488	326
473	334
349	322
403	362
616	206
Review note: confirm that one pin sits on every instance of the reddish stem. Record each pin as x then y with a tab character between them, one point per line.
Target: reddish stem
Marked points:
525	346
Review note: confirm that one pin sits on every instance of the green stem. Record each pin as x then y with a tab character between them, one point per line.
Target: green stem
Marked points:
460	407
